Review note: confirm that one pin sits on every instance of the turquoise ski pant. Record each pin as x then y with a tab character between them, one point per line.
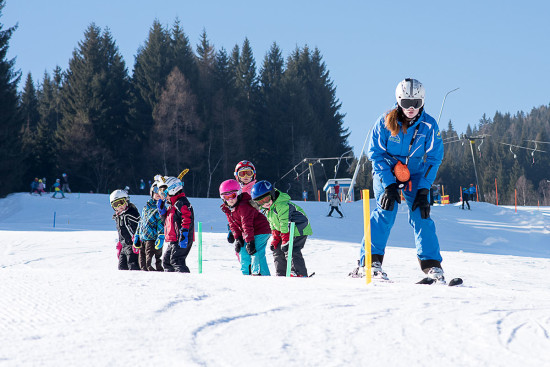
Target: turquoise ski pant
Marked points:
257	263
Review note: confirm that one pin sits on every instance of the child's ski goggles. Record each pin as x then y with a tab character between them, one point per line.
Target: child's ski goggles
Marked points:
263	200
118	203
245	173
229	195
408	103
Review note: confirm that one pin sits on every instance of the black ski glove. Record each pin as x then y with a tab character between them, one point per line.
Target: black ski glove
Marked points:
421	201
284	247
239	243
251	247
389	197
230	237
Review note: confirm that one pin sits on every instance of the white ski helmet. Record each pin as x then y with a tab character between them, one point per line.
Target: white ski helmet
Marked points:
118	194
410	89
174	185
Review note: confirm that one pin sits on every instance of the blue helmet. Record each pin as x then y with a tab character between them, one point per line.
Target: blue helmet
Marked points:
261	188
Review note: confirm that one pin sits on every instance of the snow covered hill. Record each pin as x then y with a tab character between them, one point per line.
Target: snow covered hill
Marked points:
62	301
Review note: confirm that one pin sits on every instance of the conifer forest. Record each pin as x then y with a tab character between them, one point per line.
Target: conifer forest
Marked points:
184	104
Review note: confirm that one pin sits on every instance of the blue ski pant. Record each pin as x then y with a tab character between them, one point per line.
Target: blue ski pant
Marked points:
257	263
382	221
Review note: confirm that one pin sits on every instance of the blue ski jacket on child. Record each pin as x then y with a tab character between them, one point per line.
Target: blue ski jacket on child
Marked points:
384	151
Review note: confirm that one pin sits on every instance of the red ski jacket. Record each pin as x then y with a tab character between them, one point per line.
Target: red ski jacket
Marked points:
244	220
179	215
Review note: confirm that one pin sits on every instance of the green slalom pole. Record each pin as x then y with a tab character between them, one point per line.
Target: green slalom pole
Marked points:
290	246
200	247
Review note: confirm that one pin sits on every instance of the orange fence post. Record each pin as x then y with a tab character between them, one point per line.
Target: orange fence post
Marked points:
477	194
319	194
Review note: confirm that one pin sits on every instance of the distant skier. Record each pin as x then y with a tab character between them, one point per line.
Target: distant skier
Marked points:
65	186
280	212
472	191
141	186
334	203
41	187
150	228
398	142
56	188
465	197
126	217
304	195
179	224
250	228
34	187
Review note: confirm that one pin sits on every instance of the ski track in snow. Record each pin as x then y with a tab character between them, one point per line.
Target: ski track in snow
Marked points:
62	301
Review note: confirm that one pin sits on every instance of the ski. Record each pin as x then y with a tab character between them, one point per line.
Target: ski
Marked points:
452	283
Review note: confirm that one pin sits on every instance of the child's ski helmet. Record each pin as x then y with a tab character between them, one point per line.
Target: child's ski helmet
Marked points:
261	188
173	185
244	165
230	186
154	189
410	89
118	194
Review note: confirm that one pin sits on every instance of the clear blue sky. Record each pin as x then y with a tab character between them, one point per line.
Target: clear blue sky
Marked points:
497	52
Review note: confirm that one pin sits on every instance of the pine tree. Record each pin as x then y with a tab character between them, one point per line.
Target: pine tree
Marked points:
29	111
93	132
10	120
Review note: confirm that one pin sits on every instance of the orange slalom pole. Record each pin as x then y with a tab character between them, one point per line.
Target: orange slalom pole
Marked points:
366	220
319	194
477	194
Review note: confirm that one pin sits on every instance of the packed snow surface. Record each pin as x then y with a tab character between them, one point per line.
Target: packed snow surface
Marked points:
64	303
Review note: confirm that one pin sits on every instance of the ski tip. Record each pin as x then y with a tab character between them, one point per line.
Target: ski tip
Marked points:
426	280
455	282
312	274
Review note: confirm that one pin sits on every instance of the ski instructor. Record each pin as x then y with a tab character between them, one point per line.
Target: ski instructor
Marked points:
405	149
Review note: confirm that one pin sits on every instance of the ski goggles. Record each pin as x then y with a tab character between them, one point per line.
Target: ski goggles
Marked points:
118	203
408	103
263	200
245	173
229	195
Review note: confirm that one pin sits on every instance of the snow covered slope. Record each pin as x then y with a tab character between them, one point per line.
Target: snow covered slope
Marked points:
62	301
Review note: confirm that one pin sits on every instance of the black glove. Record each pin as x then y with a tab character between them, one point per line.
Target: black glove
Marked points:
421	201
239	243
230	237
390	196
251	247
284	247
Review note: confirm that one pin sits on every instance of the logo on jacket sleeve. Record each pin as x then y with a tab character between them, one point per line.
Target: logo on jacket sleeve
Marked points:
439	134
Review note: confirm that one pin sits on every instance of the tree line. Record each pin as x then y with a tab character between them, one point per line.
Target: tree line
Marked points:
199	107
205	109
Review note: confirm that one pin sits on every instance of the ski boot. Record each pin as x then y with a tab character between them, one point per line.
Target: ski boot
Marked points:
436	275
377	271
358	272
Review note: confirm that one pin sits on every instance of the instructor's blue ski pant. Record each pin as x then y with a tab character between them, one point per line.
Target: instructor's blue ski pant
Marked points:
381	221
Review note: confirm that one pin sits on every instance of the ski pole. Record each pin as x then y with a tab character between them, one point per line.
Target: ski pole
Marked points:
290	246
54	219
200	247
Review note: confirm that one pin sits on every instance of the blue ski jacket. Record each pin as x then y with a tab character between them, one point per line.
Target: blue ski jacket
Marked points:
384	150
151	223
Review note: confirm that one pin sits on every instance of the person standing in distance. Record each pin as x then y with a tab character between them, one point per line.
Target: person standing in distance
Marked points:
399	141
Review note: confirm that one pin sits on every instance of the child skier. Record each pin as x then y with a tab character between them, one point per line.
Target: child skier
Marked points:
280	211
127	218
150	227
334	203
245	174
179	220
56	188
249	227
